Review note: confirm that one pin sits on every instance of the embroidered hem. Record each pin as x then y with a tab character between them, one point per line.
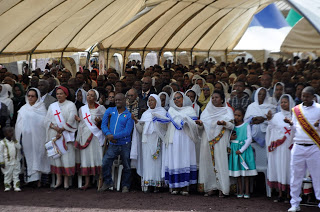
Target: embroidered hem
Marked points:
68	171
278	185
87	171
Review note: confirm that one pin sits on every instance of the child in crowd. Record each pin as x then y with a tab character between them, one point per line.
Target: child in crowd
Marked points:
241	159
10	159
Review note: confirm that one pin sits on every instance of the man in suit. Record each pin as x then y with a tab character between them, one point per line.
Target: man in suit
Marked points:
45	97
146	91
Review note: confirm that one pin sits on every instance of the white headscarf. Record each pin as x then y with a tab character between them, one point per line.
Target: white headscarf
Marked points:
286	113
211	115
38	103
147	116
84	96
167	102
195	106
254	109
97	95
4	95
182	118
274	99
196	88
195	78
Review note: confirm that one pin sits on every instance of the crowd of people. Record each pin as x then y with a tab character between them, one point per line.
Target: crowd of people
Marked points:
176	125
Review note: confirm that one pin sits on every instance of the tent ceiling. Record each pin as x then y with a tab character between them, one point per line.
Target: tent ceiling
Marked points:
189	25
49	26
302	37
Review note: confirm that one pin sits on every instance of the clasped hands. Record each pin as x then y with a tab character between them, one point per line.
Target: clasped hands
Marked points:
200	123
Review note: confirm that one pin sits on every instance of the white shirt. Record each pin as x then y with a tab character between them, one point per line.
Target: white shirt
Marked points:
312	114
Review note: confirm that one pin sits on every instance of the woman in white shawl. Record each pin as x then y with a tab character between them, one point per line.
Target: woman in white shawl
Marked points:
61	124
193	97
278	91
165	100
90	139
31	129
278	140
218	122
180	168
256	115
4	98
153	133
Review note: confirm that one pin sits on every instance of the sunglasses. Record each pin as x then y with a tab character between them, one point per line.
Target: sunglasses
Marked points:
206	89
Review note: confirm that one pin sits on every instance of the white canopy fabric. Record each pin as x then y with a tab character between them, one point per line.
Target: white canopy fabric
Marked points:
46	28
186	25
303	37
310	9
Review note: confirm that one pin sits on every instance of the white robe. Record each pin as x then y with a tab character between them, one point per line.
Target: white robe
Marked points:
153	133
4	98
215	177
91	156
31	126
278	173
66	163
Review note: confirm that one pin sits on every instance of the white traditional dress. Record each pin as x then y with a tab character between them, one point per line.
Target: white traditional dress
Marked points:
4	98
258	131
213	164
180	168
90	140
279	138
65	164
30	128
152	133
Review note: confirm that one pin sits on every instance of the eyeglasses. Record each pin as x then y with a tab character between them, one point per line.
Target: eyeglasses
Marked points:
176	98
206	89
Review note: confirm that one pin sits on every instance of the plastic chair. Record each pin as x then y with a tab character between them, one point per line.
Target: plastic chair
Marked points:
117	176
262	163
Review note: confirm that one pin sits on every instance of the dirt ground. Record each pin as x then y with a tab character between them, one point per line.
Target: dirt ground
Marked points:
45	199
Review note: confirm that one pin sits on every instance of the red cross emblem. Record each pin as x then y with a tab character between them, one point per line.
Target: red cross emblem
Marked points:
287	131
57	114
87	117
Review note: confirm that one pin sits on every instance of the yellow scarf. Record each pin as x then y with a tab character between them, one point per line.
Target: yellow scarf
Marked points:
202	99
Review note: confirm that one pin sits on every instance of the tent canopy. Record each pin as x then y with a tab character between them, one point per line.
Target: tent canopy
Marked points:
48	27
55	26
302	37
186	25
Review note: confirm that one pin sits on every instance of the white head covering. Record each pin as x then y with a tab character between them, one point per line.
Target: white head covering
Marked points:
147	116
181	116
38	103
286	113
195	106
197	77
4	95
274	99
97	95
211	115
84	95
196	88
167	102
